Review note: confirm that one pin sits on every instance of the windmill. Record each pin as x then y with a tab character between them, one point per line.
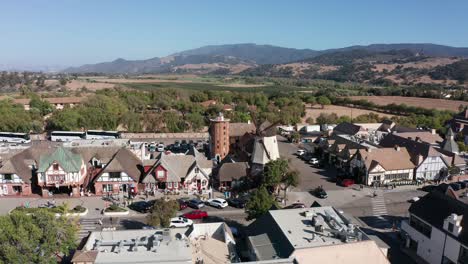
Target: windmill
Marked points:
264	130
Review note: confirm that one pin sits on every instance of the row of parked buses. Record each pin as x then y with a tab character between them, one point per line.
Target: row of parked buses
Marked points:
60	136
89	134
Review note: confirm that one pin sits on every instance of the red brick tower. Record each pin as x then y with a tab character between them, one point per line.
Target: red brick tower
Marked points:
219	136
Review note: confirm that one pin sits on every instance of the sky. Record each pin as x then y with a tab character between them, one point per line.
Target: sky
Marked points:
72	32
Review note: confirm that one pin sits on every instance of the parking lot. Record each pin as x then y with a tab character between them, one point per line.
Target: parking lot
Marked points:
310	177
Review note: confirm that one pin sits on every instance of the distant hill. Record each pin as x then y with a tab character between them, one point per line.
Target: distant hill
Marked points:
172	63
234	58
260	54
388	67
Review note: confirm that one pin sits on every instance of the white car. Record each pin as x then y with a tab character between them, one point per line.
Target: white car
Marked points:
160	148
180	222
314	161
218	203
300	152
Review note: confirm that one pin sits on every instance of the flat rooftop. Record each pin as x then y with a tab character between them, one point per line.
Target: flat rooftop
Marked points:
316	227
140	246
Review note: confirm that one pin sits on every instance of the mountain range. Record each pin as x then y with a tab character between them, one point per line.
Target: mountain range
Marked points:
239	58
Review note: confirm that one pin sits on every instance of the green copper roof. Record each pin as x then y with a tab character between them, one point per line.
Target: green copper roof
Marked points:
69	161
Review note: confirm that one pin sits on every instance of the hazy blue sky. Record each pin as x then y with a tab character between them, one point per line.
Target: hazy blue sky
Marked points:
77	32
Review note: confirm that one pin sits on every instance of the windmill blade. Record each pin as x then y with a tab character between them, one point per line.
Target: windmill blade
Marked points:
265	149
255	122
270	126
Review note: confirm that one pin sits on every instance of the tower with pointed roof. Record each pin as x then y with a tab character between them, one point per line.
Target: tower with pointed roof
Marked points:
449	143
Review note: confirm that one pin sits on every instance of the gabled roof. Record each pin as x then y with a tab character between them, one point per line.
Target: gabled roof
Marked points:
233	171
69	161
239	129
435	207
423	136
388	158
104	154
177	166
21	162
7	167
125	161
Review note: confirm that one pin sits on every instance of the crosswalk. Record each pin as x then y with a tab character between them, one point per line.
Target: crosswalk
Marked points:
379	211
87	225
378	204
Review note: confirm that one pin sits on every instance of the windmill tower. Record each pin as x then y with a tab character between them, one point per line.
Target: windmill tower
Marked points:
265	147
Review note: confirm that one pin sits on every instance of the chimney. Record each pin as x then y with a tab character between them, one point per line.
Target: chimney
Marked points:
433	131
417	139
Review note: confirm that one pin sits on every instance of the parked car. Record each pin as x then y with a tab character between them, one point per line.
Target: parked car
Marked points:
182	204
314	161
347	182
306	156
197	214
141	206
180	222
160	147
301	152
295	206
320	193
455	186
236	202
195	203
218	203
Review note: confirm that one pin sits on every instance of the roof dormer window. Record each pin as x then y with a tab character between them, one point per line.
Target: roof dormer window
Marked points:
452	224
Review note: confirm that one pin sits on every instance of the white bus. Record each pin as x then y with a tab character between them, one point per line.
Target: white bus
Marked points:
63	136
99	134
11	137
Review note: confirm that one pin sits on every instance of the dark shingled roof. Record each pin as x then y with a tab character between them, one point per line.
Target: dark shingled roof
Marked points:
435	207
347	128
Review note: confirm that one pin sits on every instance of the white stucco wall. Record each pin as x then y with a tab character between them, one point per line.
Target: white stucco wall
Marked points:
430	249
429	169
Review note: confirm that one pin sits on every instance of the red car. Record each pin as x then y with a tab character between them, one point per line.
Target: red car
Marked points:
182	205
347	182
196	214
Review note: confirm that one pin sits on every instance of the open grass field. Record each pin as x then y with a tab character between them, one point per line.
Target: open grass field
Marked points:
339	110
429	103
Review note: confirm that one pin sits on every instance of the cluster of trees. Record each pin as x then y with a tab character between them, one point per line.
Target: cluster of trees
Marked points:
455	71
277	176
161	212
164	110
38	238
